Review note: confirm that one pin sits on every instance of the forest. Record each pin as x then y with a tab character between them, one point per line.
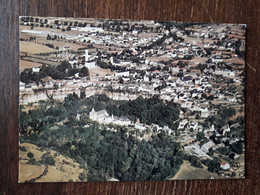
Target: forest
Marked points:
105	154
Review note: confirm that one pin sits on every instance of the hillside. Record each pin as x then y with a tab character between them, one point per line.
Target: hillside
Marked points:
37	169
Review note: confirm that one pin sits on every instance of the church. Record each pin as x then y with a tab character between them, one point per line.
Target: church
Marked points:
103	117
100	116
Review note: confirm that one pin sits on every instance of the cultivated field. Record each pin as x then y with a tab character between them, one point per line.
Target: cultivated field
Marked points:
27	64
34	48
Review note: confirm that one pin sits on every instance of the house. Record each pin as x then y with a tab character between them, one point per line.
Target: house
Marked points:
231	99
183	49
204	113
22	86
135	32
72	62
180	56
108	76
36	69
226	73
234	55
167	129
122	74
186	104
193	125
182	124
126	63
207	45
224	165
217	58
226	129
146	78
114	61
65	48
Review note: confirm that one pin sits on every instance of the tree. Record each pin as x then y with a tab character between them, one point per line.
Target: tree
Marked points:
213	165
84	71
30	155
82	176
48	37
200	136
121	80
237	147
82	94
22	148
180	74
195	161
166	68
47	159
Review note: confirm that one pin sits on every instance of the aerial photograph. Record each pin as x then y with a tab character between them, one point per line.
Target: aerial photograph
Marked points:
125	100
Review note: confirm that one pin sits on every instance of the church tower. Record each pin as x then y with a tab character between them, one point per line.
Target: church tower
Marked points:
93	114
86	55
88	64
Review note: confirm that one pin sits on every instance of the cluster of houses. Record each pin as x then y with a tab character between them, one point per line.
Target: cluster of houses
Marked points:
186	89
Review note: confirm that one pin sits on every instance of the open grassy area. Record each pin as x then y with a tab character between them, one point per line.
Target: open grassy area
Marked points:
56	175
100	71
65	168
27	171
189	172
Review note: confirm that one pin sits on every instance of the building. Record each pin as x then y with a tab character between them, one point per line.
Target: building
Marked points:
88	63
204	112
114	61
122	74
103	117
100	116
224	165
36	69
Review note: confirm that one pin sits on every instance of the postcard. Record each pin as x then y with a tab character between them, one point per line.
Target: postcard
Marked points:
124	100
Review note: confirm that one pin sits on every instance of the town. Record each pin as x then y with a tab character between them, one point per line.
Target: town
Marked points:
195	69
